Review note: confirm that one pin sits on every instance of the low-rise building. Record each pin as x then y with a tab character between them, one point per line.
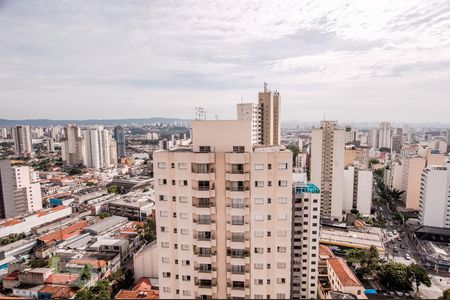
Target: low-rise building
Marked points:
342	279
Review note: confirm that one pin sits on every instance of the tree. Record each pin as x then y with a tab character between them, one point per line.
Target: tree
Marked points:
86	274
101	290
373	162
85	294
446	294
419	276
295	151
39	263
114	189
90	183
395	276
147	231
104	214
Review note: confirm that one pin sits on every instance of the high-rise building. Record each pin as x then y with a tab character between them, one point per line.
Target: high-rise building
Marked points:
72	146
412	171
434	209
50	144
224	215
385	133
100	148
350	135
327	167
21	136
358	188
305	237
4	133
265	117
373	138
20	190
119	136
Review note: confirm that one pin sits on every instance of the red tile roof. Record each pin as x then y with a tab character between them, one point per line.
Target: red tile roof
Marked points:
14	275
343	272
58	291
59	278
96	263
325	251
65	233
141	290
11	222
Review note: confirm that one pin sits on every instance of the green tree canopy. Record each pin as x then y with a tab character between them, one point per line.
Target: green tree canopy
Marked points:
86	273
419	275
147	231
395	276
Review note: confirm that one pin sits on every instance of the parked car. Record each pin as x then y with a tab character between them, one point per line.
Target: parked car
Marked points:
390	234
407	257
395	249
394	232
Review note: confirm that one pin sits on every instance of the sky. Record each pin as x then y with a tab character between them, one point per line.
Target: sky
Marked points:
350	60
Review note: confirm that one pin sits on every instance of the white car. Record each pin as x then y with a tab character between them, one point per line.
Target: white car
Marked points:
390	234
394	232
407	257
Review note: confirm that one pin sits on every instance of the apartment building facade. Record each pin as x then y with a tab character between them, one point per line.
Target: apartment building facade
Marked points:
21	136
224	215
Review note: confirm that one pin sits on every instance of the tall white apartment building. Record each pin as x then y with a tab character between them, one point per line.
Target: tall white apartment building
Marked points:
4	133
350	135
384	137
393	176
358	190
72	146
224	215
21	136
252	112
327	167
434	207
265	117
373	138
305	236
20	190
100	148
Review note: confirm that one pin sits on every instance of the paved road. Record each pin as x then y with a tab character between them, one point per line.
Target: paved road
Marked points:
393	242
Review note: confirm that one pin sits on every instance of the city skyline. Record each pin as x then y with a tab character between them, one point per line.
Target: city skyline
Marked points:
379	61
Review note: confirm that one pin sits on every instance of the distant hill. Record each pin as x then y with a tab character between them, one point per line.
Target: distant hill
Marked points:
107	122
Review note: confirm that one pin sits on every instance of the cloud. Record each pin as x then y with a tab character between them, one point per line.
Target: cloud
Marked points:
58	58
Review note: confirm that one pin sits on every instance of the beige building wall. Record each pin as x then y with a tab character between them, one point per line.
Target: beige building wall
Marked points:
327	167
435	159
146	262
224	216
412	171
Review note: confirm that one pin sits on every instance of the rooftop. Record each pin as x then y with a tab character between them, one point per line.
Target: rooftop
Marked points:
141	290
59	278
106	224
301	187
343	272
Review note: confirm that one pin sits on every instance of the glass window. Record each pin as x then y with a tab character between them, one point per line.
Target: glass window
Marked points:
162	165
182	166
282	200
282	166
237	203
259	200
259	166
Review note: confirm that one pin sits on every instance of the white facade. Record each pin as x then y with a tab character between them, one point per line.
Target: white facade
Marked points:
100	148
146	262
358	188
21	136
327	167
252	112
385	133
435	197
26	180
349	183
305	230
72	146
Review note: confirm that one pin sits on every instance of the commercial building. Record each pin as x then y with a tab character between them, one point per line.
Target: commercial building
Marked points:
20	190
305	236
21	136
119	136
224	215
327	167
434	209
72	146
264	117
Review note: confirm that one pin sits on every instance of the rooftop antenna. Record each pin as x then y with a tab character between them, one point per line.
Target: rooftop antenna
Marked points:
265	86
200	113
217	117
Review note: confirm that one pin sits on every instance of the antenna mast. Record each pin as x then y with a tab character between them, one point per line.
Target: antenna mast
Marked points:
200	113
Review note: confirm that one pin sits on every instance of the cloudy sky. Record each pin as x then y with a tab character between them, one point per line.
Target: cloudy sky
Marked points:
353	60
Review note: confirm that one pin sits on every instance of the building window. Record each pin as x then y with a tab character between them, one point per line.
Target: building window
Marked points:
282	233
162	181
184	247
259	266
166	274
167	289
281	296
259	200
165	260
165	244
184	215
282	216
182	182
237	237
182	166
259	167
184	231
259	233
282	200
259	250
237	203
281	249
163	213
281	265
239	149
259	217
237	220
185	263
162	165
163	197
281	280
183	199
186	293
259	282
186	278
282	166
282	183
259	183
204	149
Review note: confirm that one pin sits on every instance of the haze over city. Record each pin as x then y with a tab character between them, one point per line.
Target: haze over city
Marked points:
352	60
